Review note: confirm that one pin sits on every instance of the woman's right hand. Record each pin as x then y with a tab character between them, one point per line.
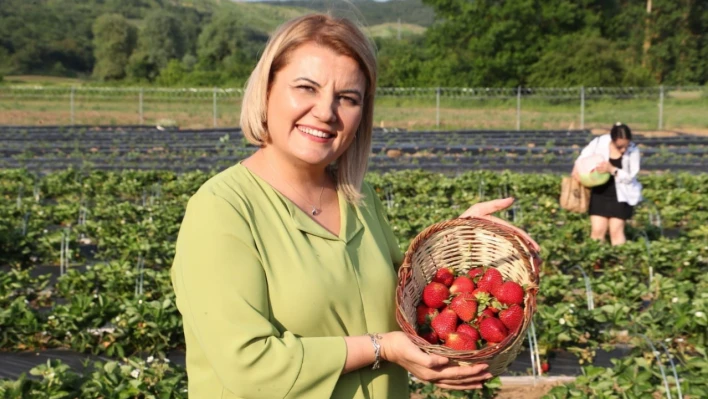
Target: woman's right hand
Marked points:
575	175
396	347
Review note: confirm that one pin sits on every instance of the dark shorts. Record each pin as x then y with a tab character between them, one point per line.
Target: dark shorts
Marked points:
603	202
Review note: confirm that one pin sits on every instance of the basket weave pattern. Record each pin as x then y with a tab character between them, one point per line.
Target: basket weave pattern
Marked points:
463	244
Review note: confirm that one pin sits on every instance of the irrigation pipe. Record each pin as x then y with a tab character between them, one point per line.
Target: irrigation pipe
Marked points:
673	369
588	287
661	365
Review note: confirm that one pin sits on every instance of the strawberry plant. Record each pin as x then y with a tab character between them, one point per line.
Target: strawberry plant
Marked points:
428	391
98	306
637	376
131	378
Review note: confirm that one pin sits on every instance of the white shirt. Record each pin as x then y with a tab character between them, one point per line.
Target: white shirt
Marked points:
629	189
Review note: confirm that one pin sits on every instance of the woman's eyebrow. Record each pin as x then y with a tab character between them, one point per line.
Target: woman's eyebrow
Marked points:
345	91
352	91
308	80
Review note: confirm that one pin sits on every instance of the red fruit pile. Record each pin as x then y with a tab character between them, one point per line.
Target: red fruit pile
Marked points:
469	310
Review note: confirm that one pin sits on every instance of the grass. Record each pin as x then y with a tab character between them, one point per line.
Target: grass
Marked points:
40	80
265	17
681	113
389	30
641	114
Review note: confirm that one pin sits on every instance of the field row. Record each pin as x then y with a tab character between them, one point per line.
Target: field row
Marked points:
139	147
149	134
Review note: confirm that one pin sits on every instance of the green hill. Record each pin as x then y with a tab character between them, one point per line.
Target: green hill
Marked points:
55	37
369	12
264	17
391	30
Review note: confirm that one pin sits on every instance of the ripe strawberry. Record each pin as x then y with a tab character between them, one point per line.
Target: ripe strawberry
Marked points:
492	330
481	295
469	330
435	294
474	274
431	337
512	317
461	342
445	323
444	276
509	293
425	314
461	284
495	306
465	306
545	367
490	280
486	301
483	315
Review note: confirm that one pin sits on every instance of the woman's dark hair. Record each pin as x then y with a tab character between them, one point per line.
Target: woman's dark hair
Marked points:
620	131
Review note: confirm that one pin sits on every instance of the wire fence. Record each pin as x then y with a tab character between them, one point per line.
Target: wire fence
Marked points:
445	108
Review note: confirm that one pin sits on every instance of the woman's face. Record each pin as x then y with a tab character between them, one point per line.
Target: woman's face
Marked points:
315	105
621	145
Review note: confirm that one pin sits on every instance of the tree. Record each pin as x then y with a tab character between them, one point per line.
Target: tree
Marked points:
679	34
229	48
161	39
226	36
140	68
400	62
498	41
44	36
173	74
114	41
4	61
578	60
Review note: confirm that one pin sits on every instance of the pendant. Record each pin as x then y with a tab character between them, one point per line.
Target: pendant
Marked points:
315	211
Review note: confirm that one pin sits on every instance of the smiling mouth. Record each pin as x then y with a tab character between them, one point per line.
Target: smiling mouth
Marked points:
315	132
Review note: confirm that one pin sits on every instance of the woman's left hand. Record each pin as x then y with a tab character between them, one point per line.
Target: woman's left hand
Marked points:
604	167
485	210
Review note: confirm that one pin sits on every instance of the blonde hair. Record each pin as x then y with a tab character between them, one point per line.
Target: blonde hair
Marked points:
341	36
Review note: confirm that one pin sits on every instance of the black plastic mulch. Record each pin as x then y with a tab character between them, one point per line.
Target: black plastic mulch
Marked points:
13	364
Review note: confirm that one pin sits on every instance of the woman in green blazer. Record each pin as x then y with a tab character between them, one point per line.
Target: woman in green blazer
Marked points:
285	268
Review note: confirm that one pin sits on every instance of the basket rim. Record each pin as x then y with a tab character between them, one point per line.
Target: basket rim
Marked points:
436	227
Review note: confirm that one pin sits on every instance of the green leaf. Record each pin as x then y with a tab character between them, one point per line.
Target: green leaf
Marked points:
110	367
593	371
493	383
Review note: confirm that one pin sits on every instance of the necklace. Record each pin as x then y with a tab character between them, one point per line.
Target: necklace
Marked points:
315	210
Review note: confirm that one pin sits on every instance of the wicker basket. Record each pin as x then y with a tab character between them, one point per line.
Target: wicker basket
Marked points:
463	244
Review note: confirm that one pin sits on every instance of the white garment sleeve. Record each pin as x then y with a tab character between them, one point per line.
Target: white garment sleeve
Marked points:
626	176
590	148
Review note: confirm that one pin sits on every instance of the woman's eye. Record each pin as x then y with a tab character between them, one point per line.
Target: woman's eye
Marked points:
350	100
306	88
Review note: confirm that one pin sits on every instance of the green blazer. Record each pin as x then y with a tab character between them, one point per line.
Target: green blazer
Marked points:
267	294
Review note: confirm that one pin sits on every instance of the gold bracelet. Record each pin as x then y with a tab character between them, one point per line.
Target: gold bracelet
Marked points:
377	350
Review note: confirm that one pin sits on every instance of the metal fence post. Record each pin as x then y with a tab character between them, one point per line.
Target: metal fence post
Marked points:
661	107
71	103
582	107
140	106
518	108
437	108
214	106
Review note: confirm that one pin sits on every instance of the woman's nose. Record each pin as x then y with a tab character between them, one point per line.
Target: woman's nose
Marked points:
324	109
